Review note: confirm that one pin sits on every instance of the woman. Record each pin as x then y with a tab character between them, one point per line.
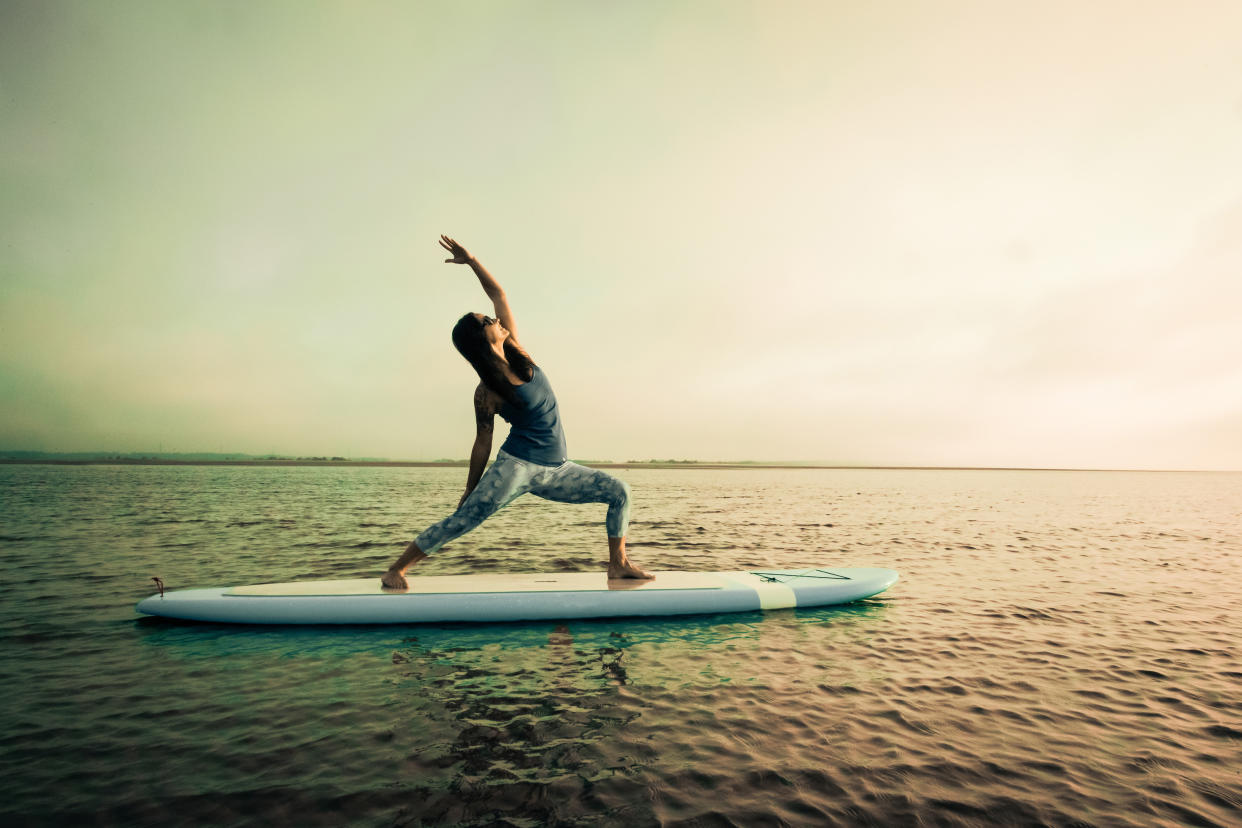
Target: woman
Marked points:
532	459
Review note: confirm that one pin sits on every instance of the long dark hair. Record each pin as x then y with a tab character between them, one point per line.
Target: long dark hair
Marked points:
470	341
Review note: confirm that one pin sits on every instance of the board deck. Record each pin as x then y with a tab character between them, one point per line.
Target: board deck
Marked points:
519	597
499	582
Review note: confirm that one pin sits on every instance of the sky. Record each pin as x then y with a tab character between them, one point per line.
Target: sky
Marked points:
889	233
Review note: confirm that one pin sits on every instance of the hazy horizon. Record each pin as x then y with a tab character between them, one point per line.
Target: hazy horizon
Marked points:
103	455
896	234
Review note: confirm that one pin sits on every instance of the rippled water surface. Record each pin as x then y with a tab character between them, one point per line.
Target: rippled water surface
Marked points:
1062	649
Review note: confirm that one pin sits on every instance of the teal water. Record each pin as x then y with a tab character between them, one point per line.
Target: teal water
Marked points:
1062	650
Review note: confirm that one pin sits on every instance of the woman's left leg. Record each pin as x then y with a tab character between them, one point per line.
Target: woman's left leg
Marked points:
571	483
504	480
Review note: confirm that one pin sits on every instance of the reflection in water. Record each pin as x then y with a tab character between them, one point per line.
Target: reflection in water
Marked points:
188	639
531	722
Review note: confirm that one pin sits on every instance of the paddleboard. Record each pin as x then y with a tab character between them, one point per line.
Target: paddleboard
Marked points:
519	597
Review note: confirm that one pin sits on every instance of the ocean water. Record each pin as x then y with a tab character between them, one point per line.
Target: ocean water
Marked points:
1062	649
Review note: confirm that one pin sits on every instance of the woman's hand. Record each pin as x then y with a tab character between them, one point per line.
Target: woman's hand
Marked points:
460	254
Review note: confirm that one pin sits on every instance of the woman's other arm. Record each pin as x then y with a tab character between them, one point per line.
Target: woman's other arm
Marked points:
485	409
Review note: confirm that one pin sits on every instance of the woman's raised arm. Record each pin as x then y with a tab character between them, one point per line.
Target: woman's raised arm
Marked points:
490	286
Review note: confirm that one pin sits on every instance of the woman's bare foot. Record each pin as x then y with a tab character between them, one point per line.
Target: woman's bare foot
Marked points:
625	569
394	578
619	565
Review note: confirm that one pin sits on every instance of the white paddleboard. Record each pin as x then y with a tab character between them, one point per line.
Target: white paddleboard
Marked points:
519	597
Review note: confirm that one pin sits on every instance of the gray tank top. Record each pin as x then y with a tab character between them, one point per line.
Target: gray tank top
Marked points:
535	433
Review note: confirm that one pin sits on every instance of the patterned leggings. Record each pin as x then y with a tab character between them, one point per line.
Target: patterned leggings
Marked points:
509	477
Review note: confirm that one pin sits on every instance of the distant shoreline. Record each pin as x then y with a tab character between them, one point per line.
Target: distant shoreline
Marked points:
674	465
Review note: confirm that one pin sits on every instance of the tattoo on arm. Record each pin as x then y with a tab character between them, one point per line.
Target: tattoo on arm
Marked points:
485	410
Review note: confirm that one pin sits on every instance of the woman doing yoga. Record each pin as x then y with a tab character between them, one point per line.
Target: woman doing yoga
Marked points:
532	459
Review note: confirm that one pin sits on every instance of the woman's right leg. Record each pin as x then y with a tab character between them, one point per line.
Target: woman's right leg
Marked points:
572	483
504	480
